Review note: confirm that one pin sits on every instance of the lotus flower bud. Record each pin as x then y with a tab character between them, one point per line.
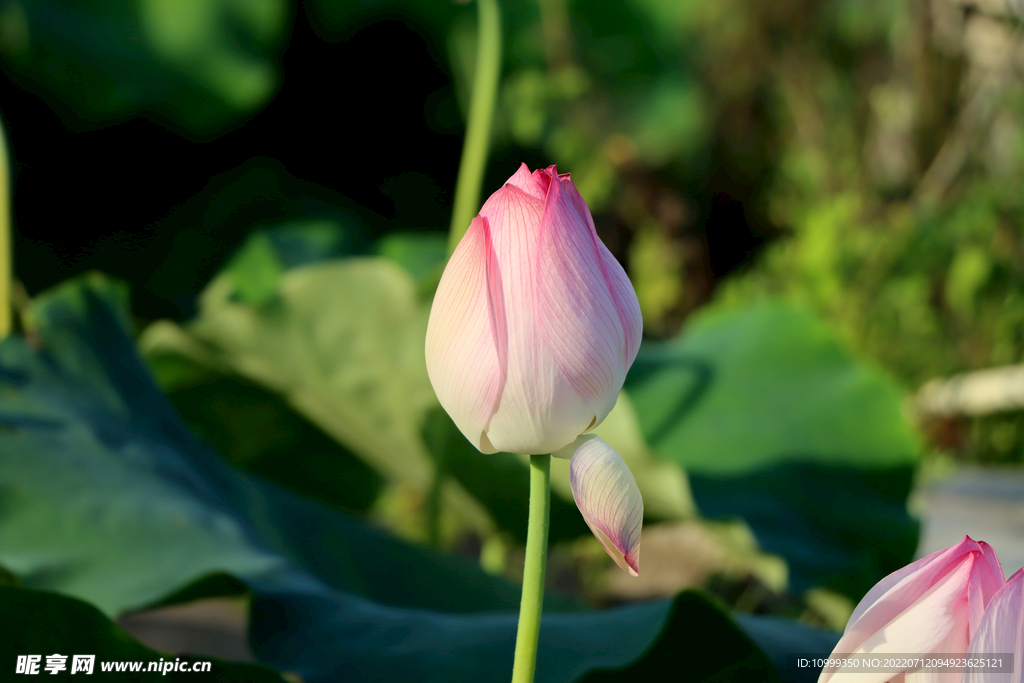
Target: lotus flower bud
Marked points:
1001	630
931	606
534	322
608	498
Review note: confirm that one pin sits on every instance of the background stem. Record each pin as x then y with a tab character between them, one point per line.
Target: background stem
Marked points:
533	571
479	121
5	237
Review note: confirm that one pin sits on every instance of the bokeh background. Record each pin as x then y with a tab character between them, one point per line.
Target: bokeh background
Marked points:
818	204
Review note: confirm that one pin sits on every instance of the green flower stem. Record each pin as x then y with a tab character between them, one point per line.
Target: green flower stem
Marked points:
5	238
478	123
533	572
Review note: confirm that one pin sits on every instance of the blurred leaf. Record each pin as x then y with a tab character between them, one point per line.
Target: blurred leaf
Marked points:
256	430
267	253
671	122
41	623
781	638
775	423
690	554
344	347
110	499
424	255
688	629
255	270
970	269
198	65
304	222
302	242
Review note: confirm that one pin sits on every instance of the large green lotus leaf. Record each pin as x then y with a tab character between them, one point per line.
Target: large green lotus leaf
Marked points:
342	342
688	634
42	623
250	425
198	65
774	422
94	462
109	498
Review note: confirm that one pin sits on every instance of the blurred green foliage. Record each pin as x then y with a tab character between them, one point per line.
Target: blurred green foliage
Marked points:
775	423
877	146
196	65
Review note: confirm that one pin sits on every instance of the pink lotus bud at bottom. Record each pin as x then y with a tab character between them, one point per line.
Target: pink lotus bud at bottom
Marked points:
930	607
608	498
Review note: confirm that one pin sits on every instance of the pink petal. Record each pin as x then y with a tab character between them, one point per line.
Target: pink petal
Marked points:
896	592
897	578
587	311
528	182
538	410
1001	631
607	495
930	605
626	303
986	581
936	618
465	336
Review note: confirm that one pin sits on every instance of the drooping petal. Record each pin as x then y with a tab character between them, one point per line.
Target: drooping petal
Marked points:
609	500
538	411
588	320
1001	630
465	335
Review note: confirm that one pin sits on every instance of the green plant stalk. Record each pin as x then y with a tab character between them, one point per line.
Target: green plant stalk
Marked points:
5	238
479	122
532	603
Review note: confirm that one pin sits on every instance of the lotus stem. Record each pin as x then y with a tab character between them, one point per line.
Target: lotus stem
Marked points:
479	121
5	237
532	603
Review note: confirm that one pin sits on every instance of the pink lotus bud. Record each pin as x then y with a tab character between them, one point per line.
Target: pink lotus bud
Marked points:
931	606
1000	631
607	496
534	322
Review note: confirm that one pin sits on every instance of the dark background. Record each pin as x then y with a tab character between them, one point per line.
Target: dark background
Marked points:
365	124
